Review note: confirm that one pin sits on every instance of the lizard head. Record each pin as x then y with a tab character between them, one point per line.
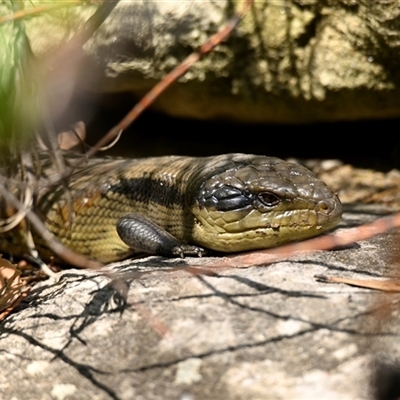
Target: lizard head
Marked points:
258	202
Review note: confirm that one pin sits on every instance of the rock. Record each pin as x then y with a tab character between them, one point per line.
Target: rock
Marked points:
289	61
261	332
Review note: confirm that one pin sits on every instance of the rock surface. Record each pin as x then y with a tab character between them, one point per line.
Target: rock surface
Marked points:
289	61
267	332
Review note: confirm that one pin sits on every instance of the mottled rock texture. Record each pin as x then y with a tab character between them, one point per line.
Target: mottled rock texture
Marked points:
289	60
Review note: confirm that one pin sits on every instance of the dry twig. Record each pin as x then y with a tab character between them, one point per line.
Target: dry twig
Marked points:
324	242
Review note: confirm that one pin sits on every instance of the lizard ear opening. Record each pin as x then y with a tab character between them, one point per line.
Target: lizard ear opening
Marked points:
226	198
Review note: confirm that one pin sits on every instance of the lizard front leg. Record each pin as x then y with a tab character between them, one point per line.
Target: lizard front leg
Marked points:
145	236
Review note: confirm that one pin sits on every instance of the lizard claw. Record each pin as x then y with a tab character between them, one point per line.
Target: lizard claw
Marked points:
184	250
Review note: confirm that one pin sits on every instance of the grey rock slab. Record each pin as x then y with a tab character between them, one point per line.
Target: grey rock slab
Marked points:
265	332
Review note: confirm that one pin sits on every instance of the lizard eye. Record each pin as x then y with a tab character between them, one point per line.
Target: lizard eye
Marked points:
269	199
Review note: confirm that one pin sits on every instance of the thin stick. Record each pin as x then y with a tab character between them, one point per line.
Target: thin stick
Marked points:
325	242
384	286
37	10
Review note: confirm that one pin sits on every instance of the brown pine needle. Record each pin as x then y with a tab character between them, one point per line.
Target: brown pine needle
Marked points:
385	286
325	242
38	10
170	78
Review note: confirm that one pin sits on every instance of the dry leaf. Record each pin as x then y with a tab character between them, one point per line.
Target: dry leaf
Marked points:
12	288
